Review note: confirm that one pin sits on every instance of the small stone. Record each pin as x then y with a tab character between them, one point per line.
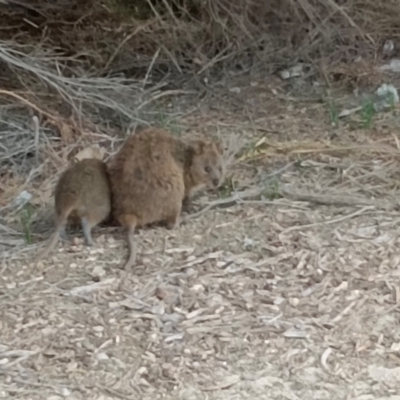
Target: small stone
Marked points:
142	371
98	271
76	241
168	370
65	392
395	347
11	285
101	239
294	301
160	293
102	356
279	300
235	90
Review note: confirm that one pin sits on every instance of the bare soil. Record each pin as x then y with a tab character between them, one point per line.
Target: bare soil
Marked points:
293	297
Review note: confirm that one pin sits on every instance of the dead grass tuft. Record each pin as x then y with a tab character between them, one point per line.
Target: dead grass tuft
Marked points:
101	67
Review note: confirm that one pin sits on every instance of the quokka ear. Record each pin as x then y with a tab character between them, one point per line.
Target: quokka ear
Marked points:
219	147
197	147
212	143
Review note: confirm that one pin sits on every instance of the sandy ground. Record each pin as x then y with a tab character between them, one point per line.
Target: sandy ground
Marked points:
271	298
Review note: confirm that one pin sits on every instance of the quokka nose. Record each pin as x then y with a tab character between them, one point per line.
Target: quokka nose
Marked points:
216	182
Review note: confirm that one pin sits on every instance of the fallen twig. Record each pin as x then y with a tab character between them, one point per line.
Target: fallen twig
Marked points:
239	196
331	200
328	222
81	290
236	198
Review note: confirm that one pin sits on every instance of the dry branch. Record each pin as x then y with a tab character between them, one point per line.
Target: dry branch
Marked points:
333	200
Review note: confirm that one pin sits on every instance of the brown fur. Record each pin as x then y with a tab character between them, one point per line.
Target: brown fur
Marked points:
153	173
82	193
202	167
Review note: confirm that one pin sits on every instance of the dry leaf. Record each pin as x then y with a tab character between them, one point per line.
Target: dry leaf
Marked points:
91	152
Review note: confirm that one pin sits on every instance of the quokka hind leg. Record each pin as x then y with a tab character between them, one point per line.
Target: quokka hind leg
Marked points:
187	205
61	220
63	233
132	248
87	231
173	221
60	228
129	221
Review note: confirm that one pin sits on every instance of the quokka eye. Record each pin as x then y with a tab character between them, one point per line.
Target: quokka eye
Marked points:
207	169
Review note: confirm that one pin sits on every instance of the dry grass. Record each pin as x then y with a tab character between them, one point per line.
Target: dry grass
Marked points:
104	67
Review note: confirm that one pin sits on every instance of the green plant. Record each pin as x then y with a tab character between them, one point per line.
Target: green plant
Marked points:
390	100
167	122
26	222
333	113
252	149
226	189
367	113
272	191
